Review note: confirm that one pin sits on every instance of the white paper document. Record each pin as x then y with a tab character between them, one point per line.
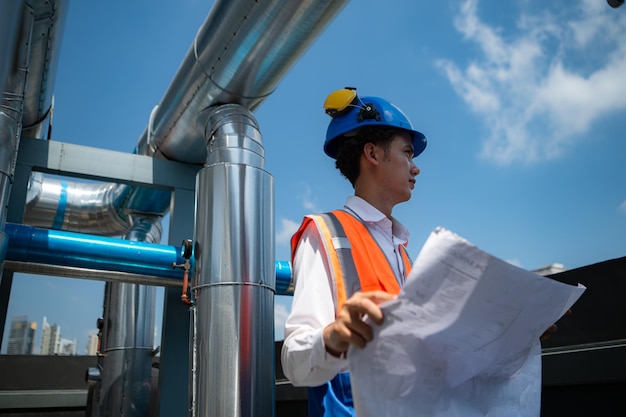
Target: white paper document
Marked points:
461	339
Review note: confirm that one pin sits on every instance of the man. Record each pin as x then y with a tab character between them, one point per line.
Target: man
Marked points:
347	262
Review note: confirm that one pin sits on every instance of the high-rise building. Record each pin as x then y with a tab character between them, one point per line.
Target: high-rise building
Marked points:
549	269
67	347
21	336
92	345
50	336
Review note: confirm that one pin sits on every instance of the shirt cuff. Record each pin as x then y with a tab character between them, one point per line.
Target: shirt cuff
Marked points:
325	359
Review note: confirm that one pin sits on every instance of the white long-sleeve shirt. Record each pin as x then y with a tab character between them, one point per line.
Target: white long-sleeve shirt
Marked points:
304	358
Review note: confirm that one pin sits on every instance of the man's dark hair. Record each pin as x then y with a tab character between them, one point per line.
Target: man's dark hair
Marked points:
350	148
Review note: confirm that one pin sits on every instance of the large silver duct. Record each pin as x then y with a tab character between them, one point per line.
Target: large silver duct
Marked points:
10	30
127	341
239	55
30	37
15	34
49	21
14	55
235	277
16	30
103	209
79	207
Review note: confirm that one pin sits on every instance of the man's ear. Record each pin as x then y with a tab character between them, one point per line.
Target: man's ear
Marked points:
370	151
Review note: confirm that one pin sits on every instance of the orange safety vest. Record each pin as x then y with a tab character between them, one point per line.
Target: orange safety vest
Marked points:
357	262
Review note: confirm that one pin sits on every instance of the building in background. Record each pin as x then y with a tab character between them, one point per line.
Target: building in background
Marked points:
50	337
550	269
92	345
21	336
67	347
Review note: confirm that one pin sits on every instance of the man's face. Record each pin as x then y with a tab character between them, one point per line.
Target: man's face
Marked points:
397	169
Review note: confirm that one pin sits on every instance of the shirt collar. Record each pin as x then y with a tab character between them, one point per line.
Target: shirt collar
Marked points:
371	214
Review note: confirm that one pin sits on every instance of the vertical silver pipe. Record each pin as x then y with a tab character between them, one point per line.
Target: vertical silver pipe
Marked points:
128	337
48	25
193	363
235	275
11	13
16	21
14	55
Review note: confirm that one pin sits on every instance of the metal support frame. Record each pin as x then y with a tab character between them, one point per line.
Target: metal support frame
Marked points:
104	165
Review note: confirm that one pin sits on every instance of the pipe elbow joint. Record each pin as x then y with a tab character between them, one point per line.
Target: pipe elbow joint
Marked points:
232	135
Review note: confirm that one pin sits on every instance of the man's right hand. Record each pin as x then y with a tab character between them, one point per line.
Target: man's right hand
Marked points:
349	327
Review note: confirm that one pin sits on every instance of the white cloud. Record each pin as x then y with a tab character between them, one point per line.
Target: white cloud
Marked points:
515	262
308	202
622	207
287	229
542	87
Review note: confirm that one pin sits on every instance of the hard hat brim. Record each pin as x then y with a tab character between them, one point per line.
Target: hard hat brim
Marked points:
419	144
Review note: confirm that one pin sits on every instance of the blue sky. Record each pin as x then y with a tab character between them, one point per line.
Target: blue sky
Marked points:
522	102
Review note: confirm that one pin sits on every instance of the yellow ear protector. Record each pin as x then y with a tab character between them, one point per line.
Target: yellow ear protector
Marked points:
341	102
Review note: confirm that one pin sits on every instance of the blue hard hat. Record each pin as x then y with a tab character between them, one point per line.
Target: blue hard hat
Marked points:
364	111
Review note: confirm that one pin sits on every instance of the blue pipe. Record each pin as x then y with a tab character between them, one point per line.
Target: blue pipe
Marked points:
56	247
61	248
283	278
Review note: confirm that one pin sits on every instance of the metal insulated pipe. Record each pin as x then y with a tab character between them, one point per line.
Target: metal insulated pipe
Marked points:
17	21
11	13
239	55
77	206
233	341
32	246
232	136
48	25
55	247
128	336
128	343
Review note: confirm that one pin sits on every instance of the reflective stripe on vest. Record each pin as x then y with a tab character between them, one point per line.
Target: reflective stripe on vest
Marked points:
356	260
